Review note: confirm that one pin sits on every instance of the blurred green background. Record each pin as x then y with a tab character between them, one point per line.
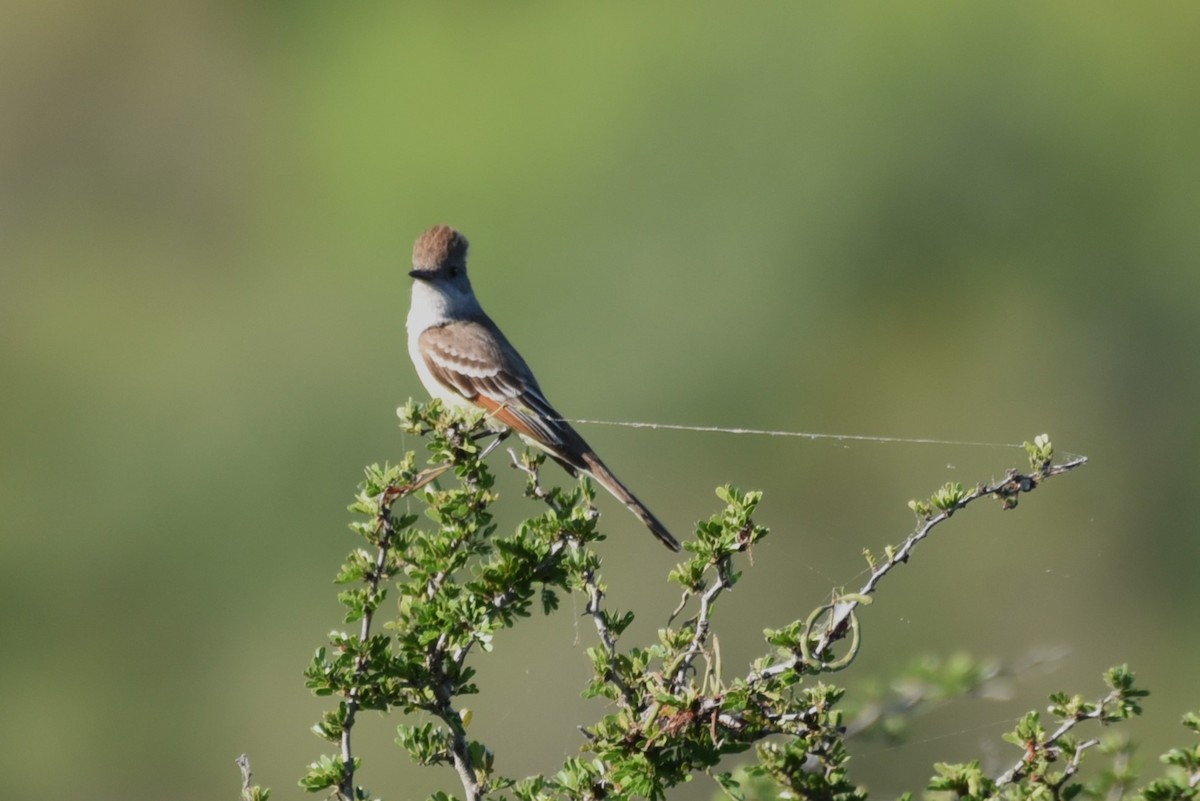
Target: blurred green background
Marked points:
962	221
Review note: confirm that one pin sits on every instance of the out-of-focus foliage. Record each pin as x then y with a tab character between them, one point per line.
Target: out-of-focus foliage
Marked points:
955	221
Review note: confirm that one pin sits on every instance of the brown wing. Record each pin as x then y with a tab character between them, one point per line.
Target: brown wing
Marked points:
474	359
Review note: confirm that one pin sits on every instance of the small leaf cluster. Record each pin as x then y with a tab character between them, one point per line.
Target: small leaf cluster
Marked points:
1041	453
325	772
729	532
1050	758
945	500
1182	782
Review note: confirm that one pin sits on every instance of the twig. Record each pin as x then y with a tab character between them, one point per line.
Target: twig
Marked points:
595	596
243	763
534	484
1007	489
1017	771
500	437
460	750
1073	766
387	532
678	671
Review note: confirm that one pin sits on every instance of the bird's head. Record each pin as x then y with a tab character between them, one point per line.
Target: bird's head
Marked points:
440	255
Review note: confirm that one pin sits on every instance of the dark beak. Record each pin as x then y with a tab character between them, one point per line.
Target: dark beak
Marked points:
415	274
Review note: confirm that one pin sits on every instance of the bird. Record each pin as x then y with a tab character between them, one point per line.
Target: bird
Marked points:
463	358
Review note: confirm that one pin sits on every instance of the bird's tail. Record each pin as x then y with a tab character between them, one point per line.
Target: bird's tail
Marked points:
597	470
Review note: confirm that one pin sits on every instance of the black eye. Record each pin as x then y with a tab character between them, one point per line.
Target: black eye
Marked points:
453	270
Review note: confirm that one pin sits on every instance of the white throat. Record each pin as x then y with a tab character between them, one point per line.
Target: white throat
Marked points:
436	303
431	305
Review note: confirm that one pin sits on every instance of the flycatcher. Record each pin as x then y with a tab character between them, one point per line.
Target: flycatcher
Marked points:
463	359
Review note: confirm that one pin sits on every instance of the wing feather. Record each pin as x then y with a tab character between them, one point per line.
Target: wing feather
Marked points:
473	358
